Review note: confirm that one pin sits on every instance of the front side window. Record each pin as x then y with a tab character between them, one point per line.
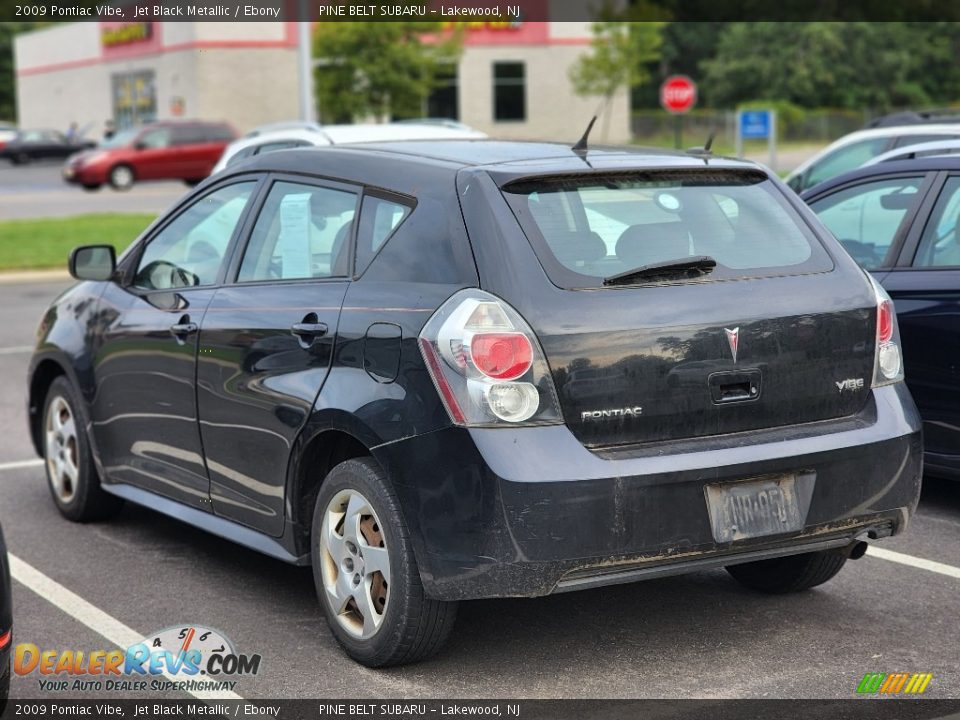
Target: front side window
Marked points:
848	157
190	251
940	243
509	91
865	218
303	231
587	229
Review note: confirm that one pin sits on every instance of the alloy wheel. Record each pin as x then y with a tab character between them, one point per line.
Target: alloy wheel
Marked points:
62	451
355	564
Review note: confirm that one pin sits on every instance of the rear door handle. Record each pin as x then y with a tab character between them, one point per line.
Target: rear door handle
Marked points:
183	328
308	330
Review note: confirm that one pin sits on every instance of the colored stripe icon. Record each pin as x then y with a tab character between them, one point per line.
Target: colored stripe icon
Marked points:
894	683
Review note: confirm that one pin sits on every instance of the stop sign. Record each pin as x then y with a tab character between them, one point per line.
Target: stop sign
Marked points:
678	94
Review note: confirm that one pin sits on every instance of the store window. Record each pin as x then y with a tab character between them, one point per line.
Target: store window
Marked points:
134	98
443	101
509	91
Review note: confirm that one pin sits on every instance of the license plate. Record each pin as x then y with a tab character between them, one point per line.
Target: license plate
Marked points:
754	508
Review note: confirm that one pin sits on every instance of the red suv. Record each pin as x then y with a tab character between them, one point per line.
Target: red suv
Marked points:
185	150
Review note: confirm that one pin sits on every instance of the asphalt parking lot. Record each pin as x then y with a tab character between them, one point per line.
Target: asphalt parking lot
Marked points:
696	636
37	190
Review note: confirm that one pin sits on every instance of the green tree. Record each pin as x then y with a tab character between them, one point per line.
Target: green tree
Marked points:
620	56
834	64
8	78
380	69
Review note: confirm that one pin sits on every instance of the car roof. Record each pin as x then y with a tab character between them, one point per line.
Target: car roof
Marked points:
930	163
393	165
511	159
890	131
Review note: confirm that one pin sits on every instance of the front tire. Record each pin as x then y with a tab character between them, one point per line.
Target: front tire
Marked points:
790	574
366	574
71	473
121	177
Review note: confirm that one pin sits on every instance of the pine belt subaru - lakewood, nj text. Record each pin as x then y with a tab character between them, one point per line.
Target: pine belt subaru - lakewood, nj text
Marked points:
439	371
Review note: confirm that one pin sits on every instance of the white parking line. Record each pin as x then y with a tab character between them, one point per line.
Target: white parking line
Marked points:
922	564
16	350
17	464
93	617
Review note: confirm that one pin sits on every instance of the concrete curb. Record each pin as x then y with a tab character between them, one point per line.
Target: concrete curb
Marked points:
28	276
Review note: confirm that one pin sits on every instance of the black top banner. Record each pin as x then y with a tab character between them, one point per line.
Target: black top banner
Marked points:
476	10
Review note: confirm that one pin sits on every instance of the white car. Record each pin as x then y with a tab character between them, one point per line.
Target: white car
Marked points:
284	139
7	133
853	150
926	149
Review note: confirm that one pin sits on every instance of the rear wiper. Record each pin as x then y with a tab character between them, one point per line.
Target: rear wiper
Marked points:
691	267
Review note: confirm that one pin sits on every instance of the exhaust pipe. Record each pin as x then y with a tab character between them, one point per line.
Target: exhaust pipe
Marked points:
855	550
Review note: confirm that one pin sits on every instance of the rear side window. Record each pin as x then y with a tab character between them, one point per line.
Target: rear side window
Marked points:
586	229
379	217
303	231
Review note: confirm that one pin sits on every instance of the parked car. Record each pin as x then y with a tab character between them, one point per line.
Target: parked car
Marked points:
319	136
7	133
853	150
908	152
284	125
915	117
169	150
30	145
370	359
6	623
901	221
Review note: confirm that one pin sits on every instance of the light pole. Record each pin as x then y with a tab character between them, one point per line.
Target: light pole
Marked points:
305	61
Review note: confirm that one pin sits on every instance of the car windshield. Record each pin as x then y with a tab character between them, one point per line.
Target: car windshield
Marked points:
124	137
586	229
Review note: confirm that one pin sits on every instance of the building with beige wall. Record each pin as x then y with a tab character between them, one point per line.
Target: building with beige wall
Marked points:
245	73
512	80
499	60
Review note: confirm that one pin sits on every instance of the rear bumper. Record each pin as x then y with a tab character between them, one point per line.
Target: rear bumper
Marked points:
527	512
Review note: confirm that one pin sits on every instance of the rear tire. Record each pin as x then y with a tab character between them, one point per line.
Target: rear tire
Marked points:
4	688
790	574
358	526
121	177
71	474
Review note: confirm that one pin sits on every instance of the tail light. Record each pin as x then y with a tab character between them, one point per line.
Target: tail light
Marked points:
487	364
888	366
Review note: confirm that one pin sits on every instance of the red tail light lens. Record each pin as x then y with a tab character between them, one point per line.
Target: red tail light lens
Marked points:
5	639
884	321
487	365
502	356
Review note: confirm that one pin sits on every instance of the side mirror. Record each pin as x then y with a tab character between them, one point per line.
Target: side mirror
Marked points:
93	262
139	145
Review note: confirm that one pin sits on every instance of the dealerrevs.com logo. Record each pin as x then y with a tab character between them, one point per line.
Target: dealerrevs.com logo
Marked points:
894	683
188	657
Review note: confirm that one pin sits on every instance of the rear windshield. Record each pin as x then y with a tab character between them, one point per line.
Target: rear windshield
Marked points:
587	228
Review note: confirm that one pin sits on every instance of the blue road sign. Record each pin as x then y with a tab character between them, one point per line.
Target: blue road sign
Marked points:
755	124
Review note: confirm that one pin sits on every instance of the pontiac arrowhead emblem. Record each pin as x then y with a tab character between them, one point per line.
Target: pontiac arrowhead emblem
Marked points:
733	337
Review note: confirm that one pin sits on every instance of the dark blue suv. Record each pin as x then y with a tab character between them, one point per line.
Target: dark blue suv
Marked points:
901	221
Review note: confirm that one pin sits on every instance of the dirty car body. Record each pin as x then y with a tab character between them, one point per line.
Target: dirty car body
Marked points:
649	426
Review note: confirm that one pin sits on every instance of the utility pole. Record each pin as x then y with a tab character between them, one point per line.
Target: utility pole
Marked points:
308	109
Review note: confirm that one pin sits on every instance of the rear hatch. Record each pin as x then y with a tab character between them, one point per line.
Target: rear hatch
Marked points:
776	333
